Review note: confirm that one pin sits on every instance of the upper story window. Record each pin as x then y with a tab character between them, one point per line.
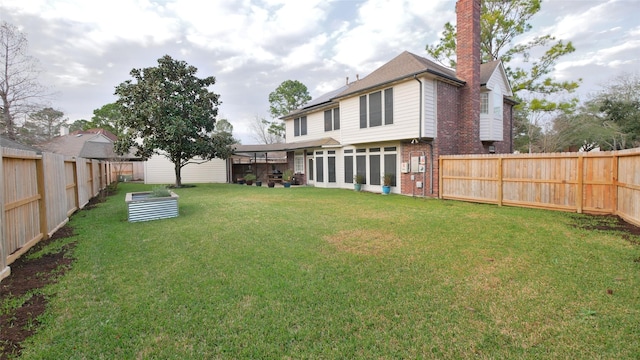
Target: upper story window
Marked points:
332	119
497	104
300	126
484	103
376	109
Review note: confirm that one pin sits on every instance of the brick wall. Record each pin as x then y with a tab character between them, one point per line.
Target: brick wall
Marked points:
468	69
506	146
409	186
447	138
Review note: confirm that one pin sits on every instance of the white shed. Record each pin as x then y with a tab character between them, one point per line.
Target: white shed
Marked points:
159	170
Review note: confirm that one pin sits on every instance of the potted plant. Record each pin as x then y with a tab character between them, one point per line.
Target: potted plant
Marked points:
271	184
249	178
387	180
359	180
286	178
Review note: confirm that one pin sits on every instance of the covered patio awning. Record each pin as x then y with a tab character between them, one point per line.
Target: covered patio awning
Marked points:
311	144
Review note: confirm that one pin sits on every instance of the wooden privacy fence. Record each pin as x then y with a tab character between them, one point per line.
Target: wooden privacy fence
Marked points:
39	193
595	182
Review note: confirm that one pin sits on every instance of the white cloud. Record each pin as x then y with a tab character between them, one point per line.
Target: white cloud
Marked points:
251	46
383	26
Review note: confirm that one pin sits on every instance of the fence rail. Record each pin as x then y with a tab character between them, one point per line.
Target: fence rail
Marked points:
39	193
599	183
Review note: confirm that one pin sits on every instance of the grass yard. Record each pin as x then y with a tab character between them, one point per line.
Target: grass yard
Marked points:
306	273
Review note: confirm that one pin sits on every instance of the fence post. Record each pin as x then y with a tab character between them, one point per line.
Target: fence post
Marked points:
614	182
4	269
500	182
42	204
580	186
440	181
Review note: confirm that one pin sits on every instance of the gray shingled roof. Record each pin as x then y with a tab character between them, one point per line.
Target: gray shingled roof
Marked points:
88	145
401	67
8	143
486	70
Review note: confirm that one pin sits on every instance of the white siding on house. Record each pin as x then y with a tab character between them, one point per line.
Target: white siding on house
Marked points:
491	124
159	170
340	161
315	128
406	121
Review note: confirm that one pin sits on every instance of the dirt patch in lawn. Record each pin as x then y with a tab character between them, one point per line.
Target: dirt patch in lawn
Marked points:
22	300
628	231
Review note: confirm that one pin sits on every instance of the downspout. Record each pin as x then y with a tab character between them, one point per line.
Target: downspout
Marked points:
415	77
430	143
511	130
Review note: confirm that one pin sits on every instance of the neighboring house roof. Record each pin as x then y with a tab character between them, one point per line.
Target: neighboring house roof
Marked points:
8	143
89	144
104	132
324	142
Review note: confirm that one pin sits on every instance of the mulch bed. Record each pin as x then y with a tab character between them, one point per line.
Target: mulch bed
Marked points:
27	277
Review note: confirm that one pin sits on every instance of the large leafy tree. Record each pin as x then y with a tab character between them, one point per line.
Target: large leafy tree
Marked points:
586	129
223	139
501	23
42	125
109	118
609	120
288	96
80	124
20	91
168	110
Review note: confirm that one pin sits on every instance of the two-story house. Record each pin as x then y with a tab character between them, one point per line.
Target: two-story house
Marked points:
402	116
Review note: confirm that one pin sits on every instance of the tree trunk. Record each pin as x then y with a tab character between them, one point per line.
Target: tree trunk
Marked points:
177	169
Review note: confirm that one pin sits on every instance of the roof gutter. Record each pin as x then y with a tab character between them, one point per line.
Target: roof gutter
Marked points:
448	78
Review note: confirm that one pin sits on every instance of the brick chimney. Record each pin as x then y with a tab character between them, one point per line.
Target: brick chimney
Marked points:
468	69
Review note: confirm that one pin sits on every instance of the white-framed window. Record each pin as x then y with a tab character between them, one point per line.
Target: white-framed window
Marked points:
497	104
332	119
484	103
376	108
298	164
300	126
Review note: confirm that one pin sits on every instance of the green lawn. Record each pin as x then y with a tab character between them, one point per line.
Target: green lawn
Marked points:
254	272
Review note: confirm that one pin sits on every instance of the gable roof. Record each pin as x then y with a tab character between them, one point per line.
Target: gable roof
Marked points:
403	66
88	144
8	143
486	70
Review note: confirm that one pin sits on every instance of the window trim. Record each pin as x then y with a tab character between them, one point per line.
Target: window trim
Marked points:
382	117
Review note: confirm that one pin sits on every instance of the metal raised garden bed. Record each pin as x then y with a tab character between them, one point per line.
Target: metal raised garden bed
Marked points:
142	207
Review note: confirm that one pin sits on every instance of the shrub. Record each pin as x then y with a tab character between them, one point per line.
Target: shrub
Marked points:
160	191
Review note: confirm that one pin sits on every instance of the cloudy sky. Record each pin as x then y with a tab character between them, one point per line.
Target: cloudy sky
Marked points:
86	48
